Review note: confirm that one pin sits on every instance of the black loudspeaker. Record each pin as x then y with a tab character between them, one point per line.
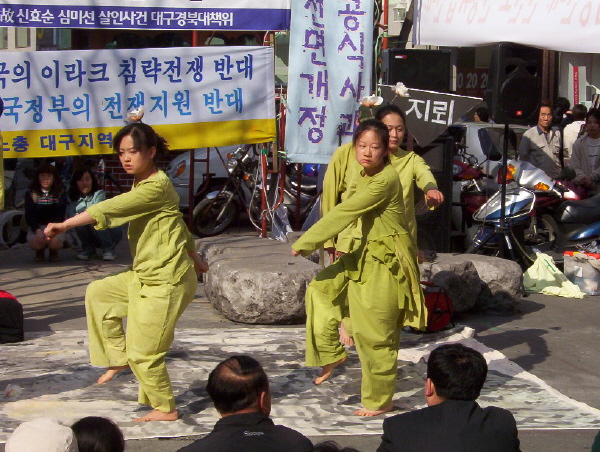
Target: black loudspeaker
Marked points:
434	226
417	68
514	88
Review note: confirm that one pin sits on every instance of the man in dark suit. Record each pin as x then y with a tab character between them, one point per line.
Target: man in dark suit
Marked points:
452	421
239	388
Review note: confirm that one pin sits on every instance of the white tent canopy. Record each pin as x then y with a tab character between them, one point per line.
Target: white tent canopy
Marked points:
565	26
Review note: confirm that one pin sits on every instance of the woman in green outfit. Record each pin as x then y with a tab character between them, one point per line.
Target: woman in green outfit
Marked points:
380	278
158	287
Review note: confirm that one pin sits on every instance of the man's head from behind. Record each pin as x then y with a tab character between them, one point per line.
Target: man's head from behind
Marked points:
456	373
239	384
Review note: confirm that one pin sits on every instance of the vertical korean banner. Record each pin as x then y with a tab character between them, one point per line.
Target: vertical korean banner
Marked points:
331	54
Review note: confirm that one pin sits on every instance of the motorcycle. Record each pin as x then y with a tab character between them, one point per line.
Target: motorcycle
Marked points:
249	186
540	214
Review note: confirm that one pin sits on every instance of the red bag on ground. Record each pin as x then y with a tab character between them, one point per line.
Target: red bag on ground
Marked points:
11	319
440	309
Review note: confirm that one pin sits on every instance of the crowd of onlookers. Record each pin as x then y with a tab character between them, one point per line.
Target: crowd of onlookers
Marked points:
48	201
239	389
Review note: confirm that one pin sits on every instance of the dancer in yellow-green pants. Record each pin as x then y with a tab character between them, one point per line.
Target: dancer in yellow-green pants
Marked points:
380	278
159	286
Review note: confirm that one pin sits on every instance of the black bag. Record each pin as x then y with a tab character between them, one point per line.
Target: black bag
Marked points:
11	319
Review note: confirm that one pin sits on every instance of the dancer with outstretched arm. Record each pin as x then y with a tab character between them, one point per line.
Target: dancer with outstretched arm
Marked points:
380	278
160	284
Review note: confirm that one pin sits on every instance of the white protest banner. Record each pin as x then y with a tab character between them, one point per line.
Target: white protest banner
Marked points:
564	25
71	103
148	14
331	54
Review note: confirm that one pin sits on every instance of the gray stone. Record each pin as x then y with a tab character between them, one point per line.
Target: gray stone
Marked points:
255	280
474	281
457	276
501	284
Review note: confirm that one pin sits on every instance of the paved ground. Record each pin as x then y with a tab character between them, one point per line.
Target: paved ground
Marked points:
553	338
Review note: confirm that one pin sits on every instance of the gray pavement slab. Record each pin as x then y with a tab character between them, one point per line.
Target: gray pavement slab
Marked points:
553	338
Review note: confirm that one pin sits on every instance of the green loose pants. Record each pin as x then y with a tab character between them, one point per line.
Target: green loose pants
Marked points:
152	312
377	319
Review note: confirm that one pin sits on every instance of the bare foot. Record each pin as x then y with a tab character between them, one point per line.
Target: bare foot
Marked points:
327	370
370	413
110	373
156	415
345	338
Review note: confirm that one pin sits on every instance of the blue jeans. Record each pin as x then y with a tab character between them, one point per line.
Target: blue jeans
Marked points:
91	238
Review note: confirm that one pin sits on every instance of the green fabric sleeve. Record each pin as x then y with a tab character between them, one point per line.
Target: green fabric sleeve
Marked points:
342	215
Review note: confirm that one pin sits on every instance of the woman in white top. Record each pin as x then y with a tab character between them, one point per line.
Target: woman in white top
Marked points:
585	159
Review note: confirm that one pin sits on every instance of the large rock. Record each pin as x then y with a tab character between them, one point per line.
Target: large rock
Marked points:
457	276
473	281
254	280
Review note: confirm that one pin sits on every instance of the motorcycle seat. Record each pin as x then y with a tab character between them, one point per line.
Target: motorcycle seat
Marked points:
308	186
586	211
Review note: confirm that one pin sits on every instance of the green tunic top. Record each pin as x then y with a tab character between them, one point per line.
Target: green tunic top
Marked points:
158	237
341	177
378	203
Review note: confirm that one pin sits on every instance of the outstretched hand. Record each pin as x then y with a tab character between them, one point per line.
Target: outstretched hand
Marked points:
434	198
54	229
200	265
295	253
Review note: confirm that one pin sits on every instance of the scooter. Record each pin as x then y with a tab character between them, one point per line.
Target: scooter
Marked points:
530	224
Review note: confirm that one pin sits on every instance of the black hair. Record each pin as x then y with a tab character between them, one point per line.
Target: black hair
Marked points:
483	114
331	446
74	193
236	384
579	111
144	137
390	109
563	104
47	168
458	372
376	126
98	434
595	113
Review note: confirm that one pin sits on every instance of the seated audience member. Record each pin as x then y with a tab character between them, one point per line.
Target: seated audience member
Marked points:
332	446
585	158
98	434
239	389
452	421
45	202
84	192
41	435
540	145
572	131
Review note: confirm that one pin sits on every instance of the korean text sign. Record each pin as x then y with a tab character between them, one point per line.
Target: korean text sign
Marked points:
70	103
331	53
564	25
148	14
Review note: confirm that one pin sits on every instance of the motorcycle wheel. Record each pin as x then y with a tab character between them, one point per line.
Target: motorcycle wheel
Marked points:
206	212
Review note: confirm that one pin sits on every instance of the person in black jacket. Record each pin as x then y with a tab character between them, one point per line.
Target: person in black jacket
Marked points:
45	202
239	388
452	421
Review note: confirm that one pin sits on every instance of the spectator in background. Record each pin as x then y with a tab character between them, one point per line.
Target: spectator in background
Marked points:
239	388
452	420
540	145
564	115
585	158
481	115
573	131
98	434
41	435
83	193
45	202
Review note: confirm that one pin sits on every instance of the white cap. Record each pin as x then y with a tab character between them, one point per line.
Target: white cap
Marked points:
42	435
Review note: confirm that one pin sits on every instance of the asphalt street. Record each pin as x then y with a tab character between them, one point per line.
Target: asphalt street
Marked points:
553	338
